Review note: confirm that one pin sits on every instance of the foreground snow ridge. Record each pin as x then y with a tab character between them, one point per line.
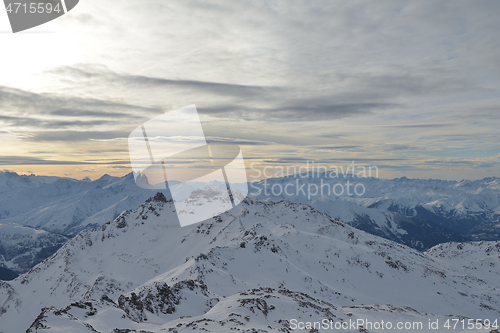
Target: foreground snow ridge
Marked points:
260	267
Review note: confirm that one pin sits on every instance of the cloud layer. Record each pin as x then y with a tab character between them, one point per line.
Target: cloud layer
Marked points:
413	86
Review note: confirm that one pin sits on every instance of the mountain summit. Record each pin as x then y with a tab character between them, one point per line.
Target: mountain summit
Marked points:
259	265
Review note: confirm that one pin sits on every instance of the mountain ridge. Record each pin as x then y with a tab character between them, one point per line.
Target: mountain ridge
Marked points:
417	213
277	245
390	208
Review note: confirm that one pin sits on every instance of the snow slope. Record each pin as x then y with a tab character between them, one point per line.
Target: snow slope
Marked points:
67	206
417	213
62	207
22	247
265	261
255	310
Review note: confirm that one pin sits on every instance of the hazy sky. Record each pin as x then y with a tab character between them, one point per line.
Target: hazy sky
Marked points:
410	86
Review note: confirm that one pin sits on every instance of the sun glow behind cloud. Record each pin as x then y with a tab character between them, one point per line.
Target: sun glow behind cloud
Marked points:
410	87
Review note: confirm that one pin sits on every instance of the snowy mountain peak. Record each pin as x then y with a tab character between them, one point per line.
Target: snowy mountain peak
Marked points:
144	268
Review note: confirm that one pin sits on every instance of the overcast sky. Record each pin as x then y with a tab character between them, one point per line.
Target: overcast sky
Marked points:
410	86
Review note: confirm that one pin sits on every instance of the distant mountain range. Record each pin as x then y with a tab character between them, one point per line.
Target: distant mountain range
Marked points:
261	267
39	214
415	212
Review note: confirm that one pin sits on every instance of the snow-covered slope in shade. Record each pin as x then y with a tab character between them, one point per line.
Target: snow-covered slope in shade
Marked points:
20	193
429	211
417	213
144	267
21	247
415	232
61	206
67	206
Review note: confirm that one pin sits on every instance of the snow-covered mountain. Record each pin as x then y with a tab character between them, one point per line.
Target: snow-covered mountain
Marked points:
18	193
415	212
61	207
21	247
265	266
67	206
